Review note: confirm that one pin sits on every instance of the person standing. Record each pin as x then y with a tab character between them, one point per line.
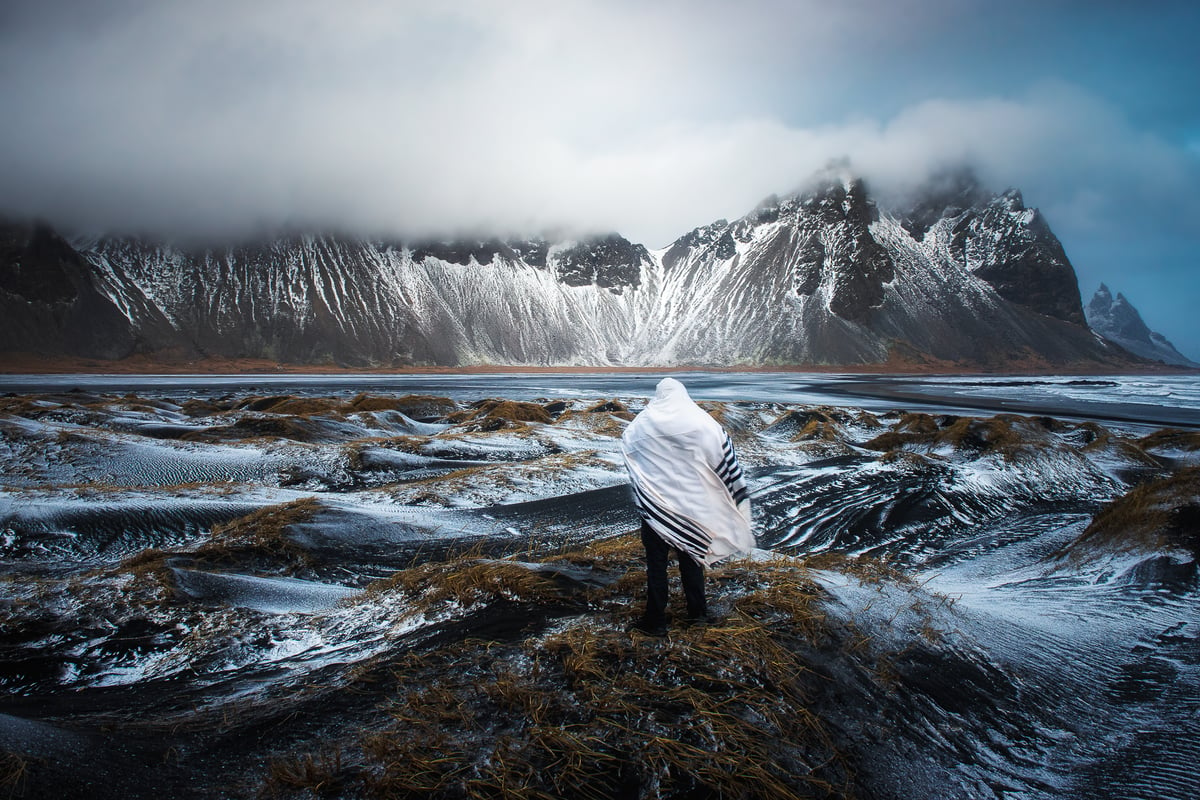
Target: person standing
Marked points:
690	494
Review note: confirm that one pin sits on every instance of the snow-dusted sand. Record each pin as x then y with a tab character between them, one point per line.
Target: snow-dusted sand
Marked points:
203	582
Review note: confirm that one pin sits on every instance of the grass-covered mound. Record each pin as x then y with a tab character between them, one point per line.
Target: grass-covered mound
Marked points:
1152	517
1006	435
551	697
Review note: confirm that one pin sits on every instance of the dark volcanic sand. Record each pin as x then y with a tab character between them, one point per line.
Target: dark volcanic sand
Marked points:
184	610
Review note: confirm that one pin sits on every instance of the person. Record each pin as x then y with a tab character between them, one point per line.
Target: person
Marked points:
691	495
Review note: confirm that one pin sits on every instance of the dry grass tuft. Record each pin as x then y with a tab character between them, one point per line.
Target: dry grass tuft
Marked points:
466	580
867	420
875	571
624	550
259	538
1153	516
417	406
588	710
815	424
1007	435
195	407
14	774
916	422
262	535
614	407
602	424
319	774
19	407
513	411
819	430
304	406
995	434
1172	439
252	428
494	415
149	568
606	418
404	444
1093	435
260	403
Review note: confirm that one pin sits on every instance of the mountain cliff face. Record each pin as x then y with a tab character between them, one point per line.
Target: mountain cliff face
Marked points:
999	240
54	301
1118	321
823	276
321	299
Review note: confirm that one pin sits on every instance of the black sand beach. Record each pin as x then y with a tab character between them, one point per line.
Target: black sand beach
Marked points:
216	591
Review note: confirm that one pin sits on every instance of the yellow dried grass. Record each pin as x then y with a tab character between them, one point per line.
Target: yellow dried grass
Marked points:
262	534
1150	517
590	711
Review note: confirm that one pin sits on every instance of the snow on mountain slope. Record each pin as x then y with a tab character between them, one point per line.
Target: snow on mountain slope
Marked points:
824	277
818	277
313	299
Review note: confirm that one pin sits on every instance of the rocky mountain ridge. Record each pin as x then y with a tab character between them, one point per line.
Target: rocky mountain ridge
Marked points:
1118	321
956	277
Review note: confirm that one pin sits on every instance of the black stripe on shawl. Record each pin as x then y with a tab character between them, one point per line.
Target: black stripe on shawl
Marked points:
695	542
726	468
686	529
730	472
729	458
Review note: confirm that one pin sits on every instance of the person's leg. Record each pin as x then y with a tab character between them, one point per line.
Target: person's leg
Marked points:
656	577
692	575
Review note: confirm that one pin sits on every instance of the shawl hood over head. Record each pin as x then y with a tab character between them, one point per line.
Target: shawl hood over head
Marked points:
686	479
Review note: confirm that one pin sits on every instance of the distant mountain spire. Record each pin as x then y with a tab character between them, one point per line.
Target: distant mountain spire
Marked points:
1118	321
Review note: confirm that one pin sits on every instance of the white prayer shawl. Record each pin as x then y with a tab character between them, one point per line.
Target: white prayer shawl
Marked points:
686	480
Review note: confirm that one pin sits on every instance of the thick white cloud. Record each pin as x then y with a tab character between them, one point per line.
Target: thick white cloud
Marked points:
416	118
413	118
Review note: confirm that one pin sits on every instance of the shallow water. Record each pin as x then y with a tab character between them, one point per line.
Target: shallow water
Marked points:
1159	400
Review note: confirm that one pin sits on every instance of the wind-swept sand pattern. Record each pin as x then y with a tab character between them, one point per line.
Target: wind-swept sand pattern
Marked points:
222	594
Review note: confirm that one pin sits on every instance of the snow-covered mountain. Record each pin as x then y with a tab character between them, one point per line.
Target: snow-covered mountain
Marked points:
1118	321
951	275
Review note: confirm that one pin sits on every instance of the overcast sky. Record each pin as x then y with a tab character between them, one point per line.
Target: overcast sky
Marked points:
645	117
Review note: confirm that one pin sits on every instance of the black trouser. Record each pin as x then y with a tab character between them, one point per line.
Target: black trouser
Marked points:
691	573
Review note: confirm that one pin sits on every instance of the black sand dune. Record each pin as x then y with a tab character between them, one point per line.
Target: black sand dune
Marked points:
366	602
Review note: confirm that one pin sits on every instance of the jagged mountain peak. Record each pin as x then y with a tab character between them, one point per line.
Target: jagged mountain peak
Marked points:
1012	248
1012	200
832	185
717	236
833	195
839	198
947	193
814	243
1118	321
1104	302
463	252
609	261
